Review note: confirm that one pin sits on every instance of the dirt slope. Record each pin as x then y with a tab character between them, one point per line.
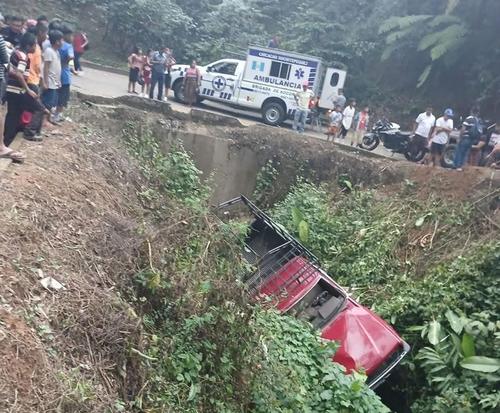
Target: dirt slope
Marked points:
70	213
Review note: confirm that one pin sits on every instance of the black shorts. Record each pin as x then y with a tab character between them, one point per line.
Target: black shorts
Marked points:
437	148
63	96
133	74
168	80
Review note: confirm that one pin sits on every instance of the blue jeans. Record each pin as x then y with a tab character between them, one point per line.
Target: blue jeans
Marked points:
156	79
299	120
462	152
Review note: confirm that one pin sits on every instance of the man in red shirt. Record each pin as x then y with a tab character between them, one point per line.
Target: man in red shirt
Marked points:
80	43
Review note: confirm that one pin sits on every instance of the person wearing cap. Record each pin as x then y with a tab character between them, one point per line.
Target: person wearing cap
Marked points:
302	99
466	139
440	136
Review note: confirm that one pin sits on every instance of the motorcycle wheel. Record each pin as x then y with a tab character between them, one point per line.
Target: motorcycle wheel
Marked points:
418	157
370	141
448	156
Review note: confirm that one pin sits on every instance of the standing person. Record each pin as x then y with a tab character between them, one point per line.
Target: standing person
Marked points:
146	74
5	152
168	77
14	31
422	131
52	72
80	45
135	67
35	83
302	100
347	118
335	122
339	99
192	82
441	135
42	20
18	95
315	113
67	54
274	43
470	134
361	121
158	62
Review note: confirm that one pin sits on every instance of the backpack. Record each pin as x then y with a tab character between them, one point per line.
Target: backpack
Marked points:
476	131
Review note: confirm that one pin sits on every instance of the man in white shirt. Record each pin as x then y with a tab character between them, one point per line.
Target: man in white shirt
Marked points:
444	126
424	125
348	117
302	100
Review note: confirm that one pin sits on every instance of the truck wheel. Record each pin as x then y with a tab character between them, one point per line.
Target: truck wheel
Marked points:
179	91
448	156
273	113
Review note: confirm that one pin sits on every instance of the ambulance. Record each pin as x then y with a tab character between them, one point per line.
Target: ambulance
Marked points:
266	82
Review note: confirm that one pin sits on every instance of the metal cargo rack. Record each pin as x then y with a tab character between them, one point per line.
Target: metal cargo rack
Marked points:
270	262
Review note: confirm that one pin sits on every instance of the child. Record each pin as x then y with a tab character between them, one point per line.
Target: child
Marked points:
67	54
361	120
146	74
315	114
135	67
52	72
335	122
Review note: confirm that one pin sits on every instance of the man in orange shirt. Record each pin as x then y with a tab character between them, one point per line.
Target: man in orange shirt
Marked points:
32	132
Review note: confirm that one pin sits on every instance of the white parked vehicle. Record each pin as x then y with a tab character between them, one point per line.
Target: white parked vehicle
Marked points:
266	81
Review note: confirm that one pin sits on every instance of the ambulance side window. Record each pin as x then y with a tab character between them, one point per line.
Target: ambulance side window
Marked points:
281	70
334	80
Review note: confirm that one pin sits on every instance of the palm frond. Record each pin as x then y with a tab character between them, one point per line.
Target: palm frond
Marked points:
451	6
453	32
401	23
400	34
424	76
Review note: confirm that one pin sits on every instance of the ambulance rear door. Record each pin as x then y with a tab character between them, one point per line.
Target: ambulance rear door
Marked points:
333	81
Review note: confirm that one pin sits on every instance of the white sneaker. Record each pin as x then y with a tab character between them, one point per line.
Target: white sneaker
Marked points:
165	99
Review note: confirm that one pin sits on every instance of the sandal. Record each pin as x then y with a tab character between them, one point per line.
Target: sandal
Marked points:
14	156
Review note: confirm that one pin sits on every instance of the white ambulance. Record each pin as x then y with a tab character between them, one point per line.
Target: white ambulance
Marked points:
266	81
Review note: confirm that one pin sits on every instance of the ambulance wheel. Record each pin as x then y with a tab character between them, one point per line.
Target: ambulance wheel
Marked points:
273	113
179	91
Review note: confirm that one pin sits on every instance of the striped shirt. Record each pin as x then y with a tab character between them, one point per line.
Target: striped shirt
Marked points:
4	58
20	63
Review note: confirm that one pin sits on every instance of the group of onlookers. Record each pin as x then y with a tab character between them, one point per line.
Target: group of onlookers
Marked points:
343	120
473	140
429	134
37	61
152	70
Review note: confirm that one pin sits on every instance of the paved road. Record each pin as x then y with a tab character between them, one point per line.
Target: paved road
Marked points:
102	83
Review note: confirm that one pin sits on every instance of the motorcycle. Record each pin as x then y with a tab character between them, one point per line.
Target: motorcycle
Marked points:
392	138
488	137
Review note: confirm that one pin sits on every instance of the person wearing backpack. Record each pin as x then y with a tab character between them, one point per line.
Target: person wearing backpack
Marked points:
470	134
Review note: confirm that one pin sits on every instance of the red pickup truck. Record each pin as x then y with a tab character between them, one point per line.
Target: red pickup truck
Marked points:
290	277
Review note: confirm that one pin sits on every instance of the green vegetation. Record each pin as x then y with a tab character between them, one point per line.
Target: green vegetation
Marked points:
445	47
419	265
205	346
